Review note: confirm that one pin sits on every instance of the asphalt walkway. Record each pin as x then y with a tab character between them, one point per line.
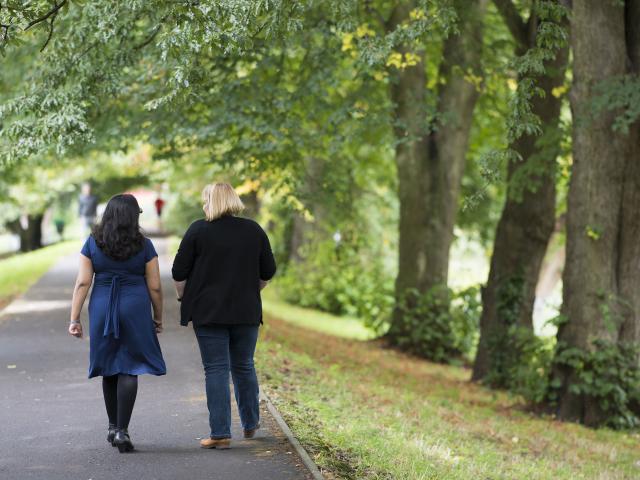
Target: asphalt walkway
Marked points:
52	418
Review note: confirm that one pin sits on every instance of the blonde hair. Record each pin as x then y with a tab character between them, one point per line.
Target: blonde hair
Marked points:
220	199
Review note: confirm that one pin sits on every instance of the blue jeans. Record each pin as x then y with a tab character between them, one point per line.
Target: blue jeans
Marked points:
227	348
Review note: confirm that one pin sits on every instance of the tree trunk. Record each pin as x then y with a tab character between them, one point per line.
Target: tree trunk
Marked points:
526	224
31	236
251	204
304	230
629	264
601	295
35	231
430	158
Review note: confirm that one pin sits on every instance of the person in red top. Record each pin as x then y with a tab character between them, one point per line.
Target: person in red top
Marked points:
159	203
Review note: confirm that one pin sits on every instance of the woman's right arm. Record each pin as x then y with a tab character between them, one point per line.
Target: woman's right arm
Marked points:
80	290
183	263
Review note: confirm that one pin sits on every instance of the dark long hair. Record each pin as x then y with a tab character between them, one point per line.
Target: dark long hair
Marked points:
118	233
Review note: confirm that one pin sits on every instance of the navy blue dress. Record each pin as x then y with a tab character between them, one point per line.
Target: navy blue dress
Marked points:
122	336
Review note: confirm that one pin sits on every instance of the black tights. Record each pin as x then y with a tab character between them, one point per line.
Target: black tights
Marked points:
119	397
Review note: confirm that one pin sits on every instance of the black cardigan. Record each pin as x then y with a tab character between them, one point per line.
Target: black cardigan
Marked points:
222	262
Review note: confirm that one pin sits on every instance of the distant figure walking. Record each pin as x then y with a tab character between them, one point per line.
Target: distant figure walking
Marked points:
222	264
159	204
87	207
123	334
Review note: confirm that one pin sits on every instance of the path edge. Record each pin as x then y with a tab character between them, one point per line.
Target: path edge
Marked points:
21	296
302	453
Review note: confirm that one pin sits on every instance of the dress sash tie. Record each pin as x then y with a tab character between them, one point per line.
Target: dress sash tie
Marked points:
112	322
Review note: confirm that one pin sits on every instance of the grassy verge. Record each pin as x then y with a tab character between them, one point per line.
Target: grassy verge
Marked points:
345	327
20	271
364	411
172	246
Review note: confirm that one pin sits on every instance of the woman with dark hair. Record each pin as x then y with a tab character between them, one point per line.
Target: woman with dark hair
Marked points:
123	334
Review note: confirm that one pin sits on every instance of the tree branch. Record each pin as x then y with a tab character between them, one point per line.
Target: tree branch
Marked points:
53	12
513	20
53	18
371	10
149	38
5	33
153	34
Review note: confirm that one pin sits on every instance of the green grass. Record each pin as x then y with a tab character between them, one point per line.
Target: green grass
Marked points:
364	411
346	327
22	270
173	244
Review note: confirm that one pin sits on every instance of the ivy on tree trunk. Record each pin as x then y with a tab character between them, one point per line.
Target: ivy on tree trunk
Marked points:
601	300
430	158
528	216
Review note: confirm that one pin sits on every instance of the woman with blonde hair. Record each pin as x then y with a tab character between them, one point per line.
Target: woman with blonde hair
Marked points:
222	264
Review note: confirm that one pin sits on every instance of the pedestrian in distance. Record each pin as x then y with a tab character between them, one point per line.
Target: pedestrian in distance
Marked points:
123	266
87	207
222	264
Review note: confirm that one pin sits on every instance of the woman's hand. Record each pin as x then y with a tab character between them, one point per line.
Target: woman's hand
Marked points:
75	329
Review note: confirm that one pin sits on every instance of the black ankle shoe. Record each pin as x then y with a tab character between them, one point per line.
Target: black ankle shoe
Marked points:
112	434
123	441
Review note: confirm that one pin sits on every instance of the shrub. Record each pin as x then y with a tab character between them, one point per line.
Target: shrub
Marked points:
521	363
520	360
337	281
440	325
607	373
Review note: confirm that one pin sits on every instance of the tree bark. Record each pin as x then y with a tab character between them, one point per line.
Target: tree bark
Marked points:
629	264
31	236
430	157
251	204
601	295
527	219
311	195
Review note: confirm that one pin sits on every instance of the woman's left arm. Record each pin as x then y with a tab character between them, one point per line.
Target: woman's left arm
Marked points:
152	274
80	290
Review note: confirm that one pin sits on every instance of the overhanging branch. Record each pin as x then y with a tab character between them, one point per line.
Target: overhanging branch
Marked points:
51	13
514	21
51	16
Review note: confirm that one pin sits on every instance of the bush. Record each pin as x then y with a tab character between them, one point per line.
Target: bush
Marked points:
440	325
181	211
337	281
520	360
521	363
607	373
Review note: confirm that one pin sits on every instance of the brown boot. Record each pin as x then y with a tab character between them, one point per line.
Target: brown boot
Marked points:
251	433
219	443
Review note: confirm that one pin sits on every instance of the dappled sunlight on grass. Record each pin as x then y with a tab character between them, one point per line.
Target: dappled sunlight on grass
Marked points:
345	327
370	412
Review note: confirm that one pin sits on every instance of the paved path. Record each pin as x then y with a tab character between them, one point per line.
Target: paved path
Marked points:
52	418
